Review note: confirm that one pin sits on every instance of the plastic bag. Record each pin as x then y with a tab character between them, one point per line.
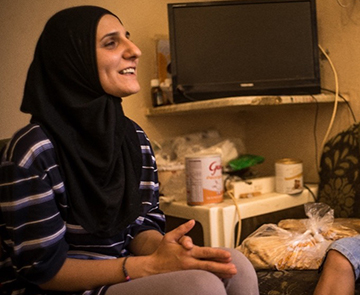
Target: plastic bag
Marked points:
295	244
170	157
177	148
244	161
322	224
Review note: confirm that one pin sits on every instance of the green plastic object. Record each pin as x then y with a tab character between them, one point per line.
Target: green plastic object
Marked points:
245	161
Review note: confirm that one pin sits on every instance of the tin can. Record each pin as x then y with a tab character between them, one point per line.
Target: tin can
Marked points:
204	184
289	176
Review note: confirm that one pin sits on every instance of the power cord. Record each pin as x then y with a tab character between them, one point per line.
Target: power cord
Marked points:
345	100
181	90
230	193
311	192
315	131
342	5
316	119
335	102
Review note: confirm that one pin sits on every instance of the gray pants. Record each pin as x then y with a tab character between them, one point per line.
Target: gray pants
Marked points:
194	282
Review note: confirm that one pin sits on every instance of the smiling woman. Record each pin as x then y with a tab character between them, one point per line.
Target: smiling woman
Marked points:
79	191
117	58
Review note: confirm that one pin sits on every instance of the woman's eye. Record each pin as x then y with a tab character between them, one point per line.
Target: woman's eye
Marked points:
110	44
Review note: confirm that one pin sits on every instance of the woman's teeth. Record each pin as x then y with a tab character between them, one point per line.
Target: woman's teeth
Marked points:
128	71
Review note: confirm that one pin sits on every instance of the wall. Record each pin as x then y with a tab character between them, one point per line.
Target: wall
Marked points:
274	132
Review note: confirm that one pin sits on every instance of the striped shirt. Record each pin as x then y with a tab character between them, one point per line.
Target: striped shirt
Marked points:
37	232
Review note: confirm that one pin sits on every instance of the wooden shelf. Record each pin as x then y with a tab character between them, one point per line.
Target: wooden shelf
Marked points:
237	103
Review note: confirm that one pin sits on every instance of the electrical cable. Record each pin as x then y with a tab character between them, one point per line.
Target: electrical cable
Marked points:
315	131
311	192
342	5
230	193
336	98
181	89
345	100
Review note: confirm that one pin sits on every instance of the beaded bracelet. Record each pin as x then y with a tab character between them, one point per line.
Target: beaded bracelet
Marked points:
126	274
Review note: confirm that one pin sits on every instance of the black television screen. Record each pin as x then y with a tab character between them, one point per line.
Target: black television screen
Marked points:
236	48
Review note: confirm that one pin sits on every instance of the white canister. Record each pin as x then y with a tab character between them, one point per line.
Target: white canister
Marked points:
289	176
204	183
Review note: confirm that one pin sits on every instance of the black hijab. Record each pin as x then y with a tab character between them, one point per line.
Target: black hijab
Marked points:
97	146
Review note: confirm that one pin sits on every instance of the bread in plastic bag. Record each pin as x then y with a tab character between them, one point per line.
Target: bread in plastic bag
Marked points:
296	243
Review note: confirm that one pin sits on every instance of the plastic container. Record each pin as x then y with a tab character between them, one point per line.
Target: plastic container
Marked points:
166	88
289	176
157	97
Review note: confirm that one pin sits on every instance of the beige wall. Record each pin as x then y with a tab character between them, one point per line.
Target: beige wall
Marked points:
274	132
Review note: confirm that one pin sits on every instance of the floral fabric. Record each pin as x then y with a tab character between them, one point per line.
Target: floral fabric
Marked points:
339	173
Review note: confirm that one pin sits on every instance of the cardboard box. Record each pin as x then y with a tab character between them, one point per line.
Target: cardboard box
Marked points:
253	187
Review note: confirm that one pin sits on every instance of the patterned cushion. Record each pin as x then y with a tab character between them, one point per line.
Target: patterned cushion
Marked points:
295	282
339	185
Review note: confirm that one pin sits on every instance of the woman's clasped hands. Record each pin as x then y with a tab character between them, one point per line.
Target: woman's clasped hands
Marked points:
177	252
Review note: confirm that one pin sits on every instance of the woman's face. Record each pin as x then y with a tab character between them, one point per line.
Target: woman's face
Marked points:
117	58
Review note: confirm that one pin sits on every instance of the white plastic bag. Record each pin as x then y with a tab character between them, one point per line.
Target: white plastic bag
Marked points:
295	243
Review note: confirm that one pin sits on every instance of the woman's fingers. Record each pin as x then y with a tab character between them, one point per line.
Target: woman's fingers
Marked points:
214	254
223	270
178	233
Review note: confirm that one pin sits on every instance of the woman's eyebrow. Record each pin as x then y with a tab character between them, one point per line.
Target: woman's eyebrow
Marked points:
112	34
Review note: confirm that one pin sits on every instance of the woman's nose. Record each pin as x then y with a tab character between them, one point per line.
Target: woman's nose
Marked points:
132	50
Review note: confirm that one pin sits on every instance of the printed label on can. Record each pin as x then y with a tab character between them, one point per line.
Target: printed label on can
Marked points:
204	184
288	176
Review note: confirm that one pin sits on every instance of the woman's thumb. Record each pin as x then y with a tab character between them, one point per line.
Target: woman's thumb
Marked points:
177	233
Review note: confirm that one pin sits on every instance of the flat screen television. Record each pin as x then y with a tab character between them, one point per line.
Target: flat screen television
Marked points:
243	48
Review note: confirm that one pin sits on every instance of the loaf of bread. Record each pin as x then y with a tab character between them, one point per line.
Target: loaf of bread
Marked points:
292	245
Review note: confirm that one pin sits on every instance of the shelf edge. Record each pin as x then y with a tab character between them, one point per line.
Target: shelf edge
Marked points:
240	101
